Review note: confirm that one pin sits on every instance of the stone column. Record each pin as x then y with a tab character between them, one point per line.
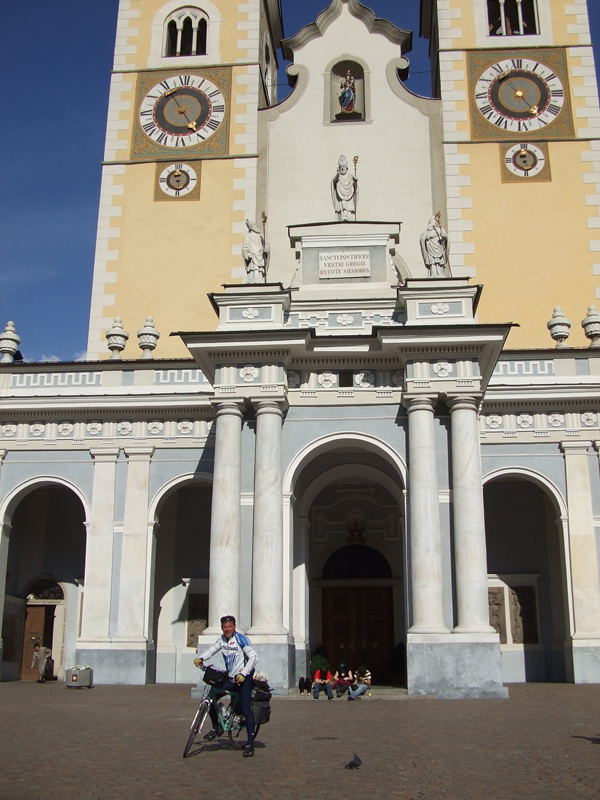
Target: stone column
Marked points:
99	549
267	556
134	591
470	556
582	542
424	521
225	533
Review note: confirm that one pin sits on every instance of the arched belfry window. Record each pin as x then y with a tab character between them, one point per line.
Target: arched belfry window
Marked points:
186	33
512	17
347	92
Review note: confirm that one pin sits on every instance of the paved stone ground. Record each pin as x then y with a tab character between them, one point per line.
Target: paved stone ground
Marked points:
114	742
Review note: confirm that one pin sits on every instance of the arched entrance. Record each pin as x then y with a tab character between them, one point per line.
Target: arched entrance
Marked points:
348	557
527	585
44	625
44	577
358	610
180	610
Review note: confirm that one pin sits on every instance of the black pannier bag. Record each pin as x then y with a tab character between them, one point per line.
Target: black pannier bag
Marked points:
215	677
260	700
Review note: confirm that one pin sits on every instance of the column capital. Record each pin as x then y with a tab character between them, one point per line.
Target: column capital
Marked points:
419	403
463	403
3	453
105	454
575	447
228	408
139	453
5	529
268	407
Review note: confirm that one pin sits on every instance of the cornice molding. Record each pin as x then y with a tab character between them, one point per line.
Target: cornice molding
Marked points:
372	23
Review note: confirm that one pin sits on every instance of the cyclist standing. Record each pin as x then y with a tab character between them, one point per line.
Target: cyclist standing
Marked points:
240	660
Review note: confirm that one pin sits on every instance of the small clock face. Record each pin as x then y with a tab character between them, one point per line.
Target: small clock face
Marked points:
520	95
525	160
177	180
182	111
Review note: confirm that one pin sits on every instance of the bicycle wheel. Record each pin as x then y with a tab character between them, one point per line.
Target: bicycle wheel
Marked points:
196	726
238	735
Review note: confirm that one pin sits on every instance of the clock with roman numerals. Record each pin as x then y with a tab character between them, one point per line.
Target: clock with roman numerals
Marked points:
182	111
522	94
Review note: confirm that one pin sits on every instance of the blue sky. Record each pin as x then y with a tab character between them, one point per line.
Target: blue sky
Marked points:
56	59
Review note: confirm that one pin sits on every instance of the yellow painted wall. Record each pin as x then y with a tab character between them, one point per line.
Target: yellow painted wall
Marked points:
532	243
172	254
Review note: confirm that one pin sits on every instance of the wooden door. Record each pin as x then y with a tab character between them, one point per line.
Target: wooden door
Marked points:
35	617
358	628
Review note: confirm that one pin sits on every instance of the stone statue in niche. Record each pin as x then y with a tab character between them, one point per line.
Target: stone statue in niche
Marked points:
434	247
344	191
347	96
497	615
255	252
197	617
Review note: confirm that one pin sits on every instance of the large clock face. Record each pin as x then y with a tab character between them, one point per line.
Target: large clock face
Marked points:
519	95
182	111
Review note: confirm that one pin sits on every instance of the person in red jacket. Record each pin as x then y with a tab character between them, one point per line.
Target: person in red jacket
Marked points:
322	680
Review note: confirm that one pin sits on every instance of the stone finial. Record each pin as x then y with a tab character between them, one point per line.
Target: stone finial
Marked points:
9	343
147	337
591	326
117	338
559	327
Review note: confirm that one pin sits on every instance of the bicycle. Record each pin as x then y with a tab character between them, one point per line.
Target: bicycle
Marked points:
230	719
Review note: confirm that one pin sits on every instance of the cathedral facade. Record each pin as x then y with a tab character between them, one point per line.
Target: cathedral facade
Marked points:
360	411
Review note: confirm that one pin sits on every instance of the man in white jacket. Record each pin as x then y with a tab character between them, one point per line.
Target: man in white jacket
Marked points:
240	660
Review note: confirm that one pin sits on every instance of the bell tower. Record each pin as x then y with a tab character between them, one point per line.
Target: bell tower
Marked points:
181	161
521	128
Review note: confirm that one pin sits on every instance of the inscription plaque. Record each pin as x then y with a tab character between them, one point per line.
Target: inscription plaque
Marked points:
355	264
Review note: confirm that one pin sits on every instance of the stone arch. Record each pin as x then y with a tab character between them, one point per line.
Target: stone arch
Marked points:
179	515
161	495
328	471
16	495
528	569
48	540
362	441
371	556
535	477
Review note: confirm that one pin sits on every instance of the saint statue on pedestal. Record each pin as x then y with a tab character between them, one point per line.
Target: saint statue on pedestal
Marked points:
255	252
344	192
434	247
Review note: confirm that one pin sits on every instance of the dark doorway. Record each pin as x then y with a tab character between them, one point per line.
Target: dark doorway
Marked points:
358	621
358	628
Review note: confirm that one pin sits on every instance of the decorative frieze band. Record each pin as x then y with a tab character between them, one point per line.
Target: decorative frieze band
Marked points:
78	432
539	423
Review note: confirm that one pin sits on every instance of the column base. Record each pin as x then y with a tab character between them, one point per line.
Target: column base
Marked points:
429	629
586	660
454	666
131	664
267	630
485	629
